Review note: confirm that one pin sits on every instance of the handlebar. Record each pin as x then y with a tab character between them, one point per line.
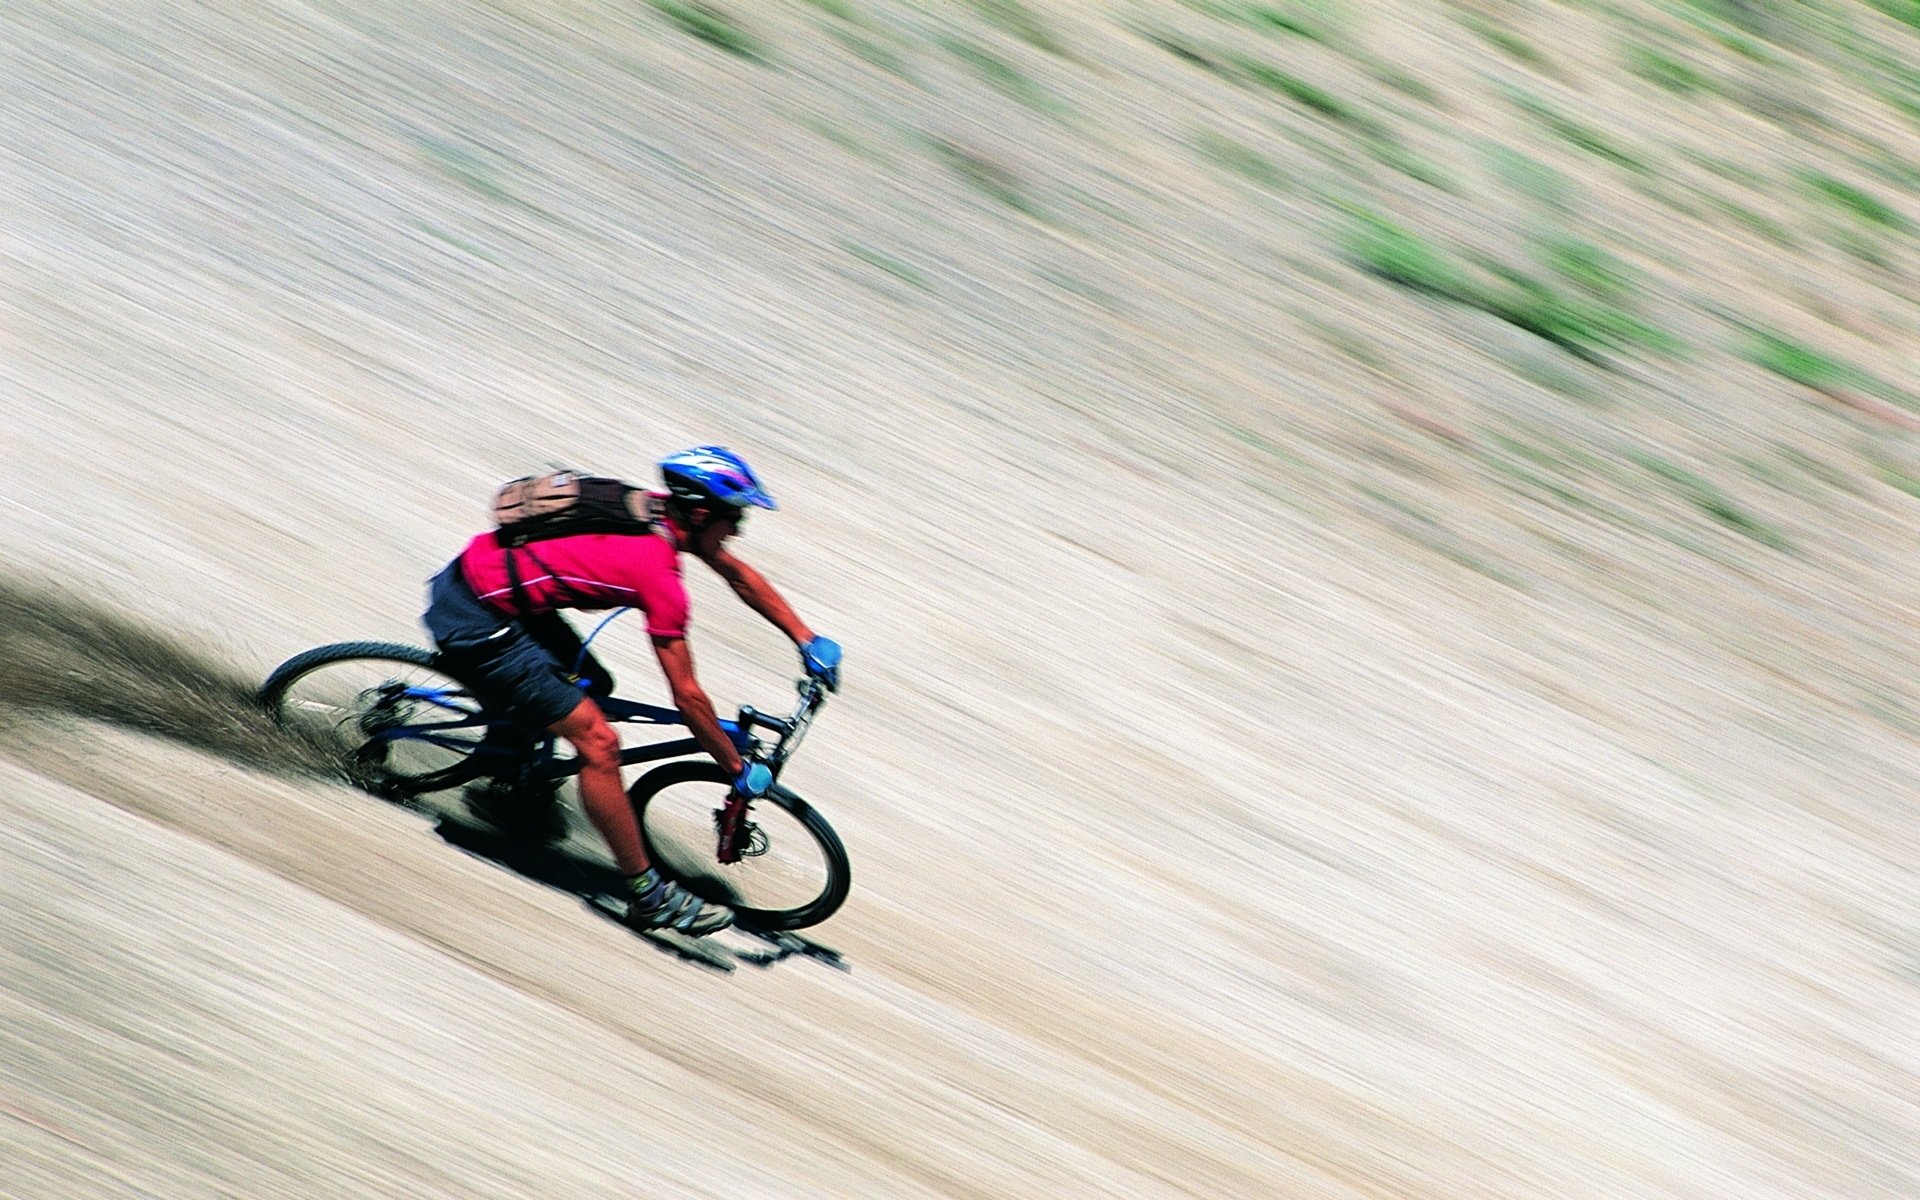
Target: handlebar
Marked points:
751	717
790	729
813	694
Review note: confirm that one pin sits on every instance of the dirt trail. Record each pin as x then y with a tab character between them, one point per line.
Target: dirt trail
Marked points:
1305	735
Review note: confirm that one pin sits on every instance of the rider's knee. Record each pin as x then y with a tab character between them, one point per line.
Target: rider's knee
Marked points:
597	744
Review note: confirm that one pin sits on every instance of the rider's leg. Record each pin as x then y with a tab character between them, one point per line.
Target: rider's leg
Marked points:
601	792
652	902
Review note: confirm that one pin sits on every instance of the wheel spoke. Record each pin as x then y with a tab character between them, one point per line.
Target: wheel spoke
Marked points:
788	873
399	724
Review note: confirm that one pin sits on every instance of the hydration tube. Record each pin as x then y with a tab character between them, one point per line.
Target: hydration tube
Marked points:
587	643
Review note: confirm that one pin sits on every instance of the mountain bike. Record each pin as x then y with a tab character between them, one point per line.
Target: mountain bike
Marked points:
402	722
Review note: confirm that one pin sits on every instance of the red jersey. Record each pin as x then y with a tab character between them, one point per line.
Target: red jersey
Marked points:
587	570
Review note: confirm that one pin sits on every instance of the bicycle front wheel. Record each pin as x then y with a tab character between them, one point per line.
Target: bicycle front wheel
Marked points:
794	872
398	723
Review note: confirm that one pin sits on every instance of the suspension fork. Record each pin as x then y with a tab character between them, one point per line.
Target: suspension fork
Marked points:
731	825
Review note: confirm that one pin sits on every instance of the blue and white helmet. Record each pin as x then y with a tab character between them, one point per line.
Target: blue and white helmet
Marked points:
706	474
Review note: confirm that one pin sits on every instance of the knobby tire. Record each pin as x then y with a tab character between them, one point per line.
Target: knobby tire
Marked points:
710	881
383	778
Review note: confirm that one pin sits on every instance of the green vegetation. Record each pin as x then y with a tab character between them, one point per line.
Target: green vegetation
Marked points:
1829	376
1307	95
1397	156
1530	177
1401	81
868	50
1506	41
1556	377
1667	72
1576	133
1401	256
710	25
1422	528
1579	286
1906	104
1816	469
1538	455
837	8
1020	21
1865	249
480	176
1265	445
1711	500
1725	23
1075	286
1317	22
1853	200
887	263
1252	72
1774	475
845	140
1903	480
1759	223
1583	325
1524	476
466	169
1726	168
1186	50
1567	458
1679	199
1900	10
1001	75
1347	342
1810	368
1241	159
1758	17
1793	108
1894	170
1587	267
1800	363
1296	20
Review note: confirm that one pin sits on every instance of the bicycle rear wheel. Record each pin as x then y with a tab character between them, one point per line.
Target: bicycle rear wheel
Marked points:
794	874
398	722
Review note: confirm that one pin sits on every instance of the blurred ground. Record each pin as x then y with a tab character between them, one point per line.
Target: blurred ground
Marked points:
1376	556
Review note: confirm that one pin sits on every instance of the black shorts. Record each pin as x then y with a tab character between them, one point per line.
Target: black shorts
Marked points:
515	672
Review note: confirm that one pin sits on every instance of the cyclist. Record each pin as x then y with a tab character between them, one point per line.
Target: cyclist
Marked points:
497	618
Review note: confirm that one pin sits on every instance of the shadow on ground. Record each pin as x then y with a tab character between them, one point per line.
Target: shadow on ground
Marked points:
62	655
595	882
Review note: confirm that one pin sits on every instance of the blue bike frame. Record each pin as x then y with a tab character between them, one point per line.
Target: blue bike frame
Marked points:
618	711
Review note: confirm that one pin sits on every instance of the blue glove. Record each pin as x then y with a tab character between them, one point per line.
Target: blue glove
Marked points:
753	781
821	658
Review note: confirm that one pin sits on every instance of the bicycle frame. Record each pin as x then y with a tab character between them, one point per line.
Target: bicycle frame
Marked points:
538	749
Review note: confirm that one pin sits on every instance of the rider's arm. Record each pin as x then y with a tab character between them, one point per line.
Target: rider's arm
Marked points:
676	659
752	587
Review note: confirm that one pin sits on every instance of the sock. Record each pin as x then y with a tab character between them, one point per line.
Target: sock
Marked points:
645	886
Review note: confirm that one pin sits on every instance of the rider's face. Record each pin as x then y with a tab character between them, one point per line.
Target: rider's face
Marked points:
721	524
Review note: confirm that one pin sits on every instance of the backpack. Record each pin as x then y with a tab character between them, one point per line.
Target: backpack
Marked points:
534	508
